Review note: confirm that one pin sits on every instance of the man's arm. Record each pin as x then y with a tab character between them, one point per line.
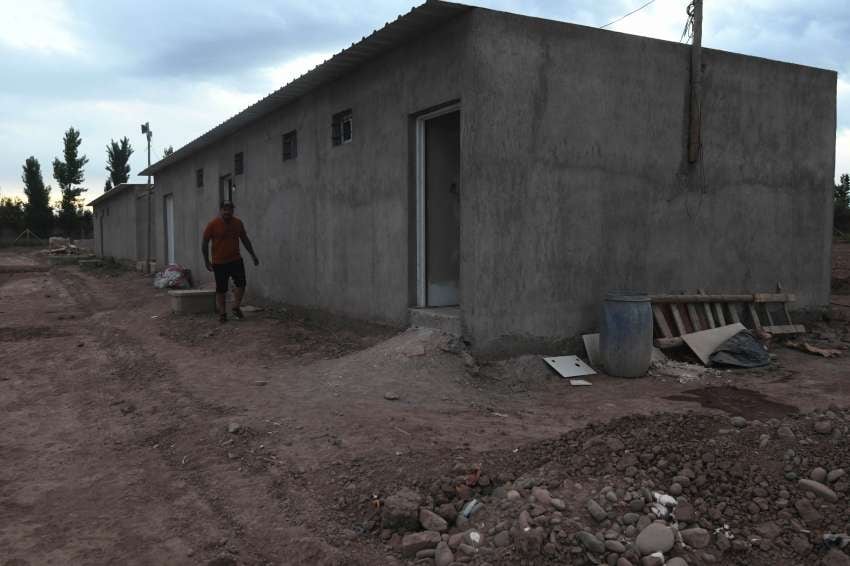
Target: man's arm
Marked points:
205	249
247	243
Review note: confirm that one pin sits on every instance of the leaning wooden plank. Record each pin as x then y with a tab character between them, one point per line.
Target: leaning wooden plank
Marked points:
677	318
733	311
785	329
665	343
661	321
769	316
784	305
753	298
702	298
694	316
787	313
718	309
709	317
774	298
755	316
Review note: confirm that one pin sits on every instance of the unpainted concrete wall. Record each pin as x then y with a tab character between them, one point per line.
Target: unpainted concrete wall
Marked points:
577	181
331	227
120	218
574	179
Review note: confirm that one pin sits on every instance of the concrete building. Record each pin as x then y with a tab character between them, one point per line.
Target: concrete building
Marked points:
512	170
120	223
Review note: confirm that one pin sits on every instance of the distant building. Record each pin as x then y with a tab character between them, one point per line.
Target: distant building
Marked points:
510	170
120	223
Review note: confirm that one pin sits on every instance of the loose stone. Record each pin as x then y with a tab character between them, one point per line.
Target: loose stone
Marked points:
657	537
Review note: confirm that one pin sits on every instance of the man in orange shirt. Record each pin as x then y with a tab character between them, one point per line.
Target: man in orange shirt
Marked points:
225	231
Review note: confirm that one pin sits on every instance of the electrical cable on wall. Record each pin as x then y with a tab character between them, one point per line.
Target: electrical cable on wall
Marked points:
698	178
627	15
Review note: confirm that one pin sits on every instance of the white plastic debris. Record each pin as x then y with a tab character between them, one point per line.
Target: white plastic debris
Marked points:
663	505
173	277
664	499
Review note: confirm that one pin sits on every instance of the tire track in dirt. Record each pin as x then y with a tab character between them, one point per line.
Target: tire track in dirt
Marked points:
155	382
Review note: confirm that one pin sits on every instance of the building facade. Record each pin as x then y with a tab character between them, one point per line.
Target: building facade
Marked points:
120	223
514	170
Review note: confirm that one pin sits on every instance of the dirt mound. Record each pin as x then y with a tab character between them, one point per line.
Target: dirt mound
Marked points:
702	488
279	333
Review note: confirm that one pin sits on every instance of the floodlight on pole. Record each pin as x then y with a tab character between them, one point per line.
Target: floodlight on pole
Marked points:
146	130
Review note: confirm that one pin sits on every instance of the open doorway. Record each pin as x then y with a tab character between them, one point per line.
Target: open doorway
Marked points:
438	208
225	189
100	225
168	202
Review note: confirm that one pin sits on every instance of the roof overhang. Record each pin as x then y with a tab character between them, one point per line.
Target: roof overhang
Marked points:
120	189
406	27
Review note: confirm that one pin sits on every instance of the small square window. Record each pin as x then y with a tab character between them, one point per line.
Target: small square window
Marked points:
341	128
238	164
199	178
290	145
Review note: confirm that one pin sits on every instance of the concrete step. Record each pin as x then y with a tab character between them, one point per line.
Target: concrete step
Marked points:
446	319
186	301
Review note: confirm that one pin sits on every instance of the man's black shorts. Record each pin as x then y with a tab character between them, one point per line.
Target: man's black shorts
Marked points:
224	271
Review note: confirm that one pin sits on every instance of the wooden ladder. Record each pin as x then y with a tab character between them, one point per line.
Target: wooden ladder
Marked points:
694	312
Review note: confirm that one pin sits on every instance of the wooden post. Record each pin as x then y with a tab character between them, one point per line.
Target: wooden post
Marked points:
694	138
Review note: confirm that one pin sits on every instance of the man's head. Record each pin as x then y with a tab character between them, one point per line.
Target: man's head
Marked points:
225	210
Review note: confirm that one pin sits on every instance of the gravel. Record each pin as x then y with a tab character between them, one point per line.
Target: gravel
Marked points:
734	501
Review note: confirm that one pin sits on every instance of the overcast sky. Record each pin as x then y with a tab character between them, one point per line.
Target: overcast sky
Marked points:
187	65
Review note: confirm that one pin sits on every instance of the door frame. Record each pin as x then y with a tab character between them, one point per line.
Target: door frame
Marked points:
170	244
421	267
100	224
225	192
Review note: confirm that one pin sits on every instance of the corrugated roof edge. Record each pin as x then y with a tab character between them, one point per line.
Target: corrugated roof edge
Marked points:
407	26
116	190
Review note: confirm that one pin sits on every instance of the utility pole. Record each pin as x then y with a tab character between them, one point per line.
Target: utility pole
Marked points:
694	134
146	129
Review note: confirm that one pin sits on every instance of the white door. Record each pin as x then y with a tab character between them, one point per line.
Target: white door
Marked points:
169	228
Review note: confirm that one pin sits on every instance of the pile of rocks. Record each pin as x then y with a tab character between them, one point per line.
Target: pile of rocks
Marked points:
642	491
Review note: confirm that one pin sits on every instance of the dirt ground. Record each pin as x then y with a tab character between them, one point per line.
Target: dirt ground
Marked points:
129	435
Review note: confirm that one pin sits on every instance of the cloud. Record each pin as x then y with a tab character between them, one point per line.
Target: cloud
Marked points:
187	66
44	27
288	71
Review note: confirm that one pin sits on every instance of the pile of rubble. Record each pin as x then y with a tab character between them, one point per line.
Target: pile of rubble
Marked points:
64	246
644	490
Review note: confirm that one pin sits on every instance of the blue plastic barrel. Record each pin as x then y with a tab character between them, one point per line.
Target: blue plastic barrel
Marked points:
625	335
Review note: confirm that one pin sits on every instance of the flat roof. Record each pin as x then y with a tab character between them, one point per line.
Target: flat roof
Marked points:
412	24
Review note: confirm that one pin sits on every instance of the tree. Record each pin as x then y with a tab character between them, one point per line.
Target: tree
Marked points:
841	204
167	151
841	195
11	217
69	174
118	157
107	186
38	216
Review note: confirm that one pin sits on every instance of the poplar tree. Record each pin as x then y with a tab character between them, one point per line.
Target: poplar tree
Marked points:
37	212
118	161
70	176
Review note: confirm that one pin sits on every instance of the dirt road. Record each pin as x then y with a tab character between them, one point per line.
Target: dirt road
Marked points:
129	435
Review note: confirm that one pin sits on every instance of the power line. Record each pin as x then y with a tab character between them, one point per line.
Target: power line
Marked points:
688	23
627	15
686	30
